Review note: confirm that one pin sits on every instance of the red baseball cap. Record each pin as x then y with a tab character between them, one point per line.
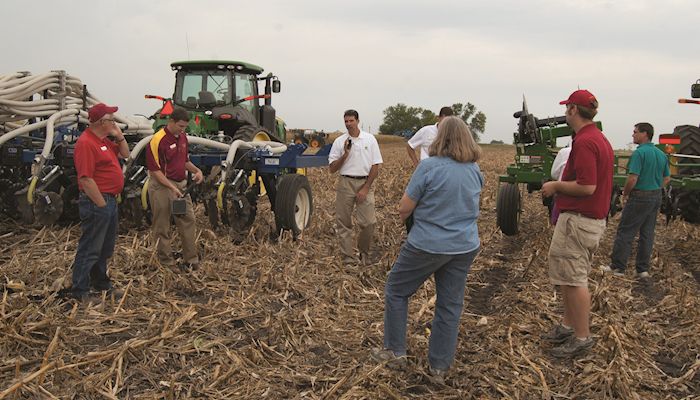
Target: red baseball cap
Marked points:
582	98
100	110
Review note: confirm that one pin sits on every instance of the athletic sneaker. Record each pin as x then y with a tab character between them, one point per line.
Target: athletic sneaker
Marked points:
389	357
438	375
558	334
615	271
572	347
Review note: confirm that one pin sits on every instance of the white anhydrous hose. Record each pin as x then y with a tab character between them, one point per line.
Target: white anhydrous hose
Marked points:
24	96
58	100
274	147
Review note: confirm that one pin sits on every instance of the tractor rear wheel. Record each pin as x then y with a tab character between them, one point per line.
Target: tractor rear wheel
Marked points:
689	200
508	208
293	203
250	133
689	205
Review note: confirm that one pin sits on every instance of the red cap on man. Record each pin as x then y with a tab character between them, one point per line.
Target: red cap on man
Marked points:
100	110
582	98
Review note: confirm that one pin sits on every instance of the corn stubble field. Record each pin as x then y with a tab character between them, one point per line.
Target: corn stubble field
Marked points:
285	320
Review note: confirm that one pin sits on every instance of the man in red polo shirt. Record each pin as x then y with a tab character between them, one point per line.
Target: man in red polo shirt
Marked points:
583	196
168	161
100	180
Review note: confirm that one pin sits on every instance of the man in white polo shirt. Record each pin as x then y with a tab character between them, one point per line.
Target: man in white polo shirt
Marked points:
355	155
425	137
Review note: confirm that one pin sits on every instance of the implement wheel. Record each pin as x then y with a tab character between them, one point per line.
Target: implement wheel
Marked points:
48	207
300	139
70	196
131	213
212	212
293	203
508	207
317	142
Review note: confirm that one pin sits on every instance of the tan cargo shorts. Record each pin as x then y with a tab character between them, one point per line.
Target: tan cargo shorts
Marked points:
574	243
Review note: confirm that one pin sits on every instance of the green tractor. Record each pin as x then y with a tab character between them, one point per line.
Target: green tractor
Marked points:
223	98
535	143
224	103
682	196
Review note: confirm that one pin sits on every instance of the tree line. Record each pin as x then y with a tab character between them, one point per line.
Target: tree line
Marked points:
403	120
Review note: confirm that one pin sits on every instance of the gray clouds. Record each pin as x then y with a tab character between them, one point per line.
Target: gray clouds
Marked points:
638	57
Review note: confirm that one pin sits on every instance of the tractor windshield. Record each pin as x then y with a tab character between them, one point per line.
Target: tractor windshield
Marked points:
246	86
202	89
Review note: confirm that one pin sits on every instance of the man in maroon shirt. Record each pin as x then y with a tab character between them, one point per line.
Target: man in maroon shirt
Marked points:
100	180
168	161
583	196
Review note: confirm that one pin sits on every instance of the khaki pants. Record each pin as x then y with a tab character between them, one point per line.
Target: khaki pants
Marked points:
573	246
345	202
160	198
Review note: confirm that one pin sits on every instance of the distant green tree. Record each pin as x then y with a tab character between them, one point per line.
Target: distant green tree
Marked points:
497	142
428	117
475	119
400	118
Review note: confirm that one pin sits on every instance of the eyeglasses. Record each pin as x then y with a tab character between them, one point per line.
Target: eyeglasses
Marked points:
108	120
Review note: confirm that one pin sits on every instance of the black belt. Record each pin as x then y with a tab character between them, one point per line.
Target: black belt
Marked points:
354	177
647	193
104	194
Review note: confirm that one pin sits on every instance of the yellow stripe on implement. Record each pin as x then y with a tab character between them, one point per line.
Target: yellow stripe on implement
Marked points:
144	194
30	192
220	196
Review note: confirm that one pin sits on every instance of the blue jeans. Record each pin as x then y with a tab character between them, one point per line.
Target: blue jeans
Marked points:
638	216
411	269
96	245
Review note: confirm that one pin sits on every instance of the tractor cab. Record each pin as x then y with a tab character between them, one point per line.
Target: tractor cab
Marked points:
224	100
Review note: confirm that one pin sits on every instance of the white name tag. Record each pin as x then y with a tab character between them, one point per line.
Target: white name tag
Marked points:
172	146
103	148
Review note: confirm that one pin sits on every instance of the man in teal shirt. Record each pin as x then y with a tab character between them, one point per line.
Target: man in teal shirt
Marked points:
648	173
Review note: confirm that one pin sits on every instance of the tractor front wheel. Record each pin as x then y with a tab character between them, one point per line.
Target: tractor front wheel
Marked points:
508	207
293	203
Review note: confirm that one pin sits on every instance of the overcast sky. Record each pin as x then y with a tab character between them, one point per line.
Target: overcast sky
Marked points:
638	57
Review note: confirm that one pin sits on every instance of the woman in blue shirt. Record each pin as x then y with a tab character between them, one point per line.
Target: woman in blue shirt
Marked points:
443	196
